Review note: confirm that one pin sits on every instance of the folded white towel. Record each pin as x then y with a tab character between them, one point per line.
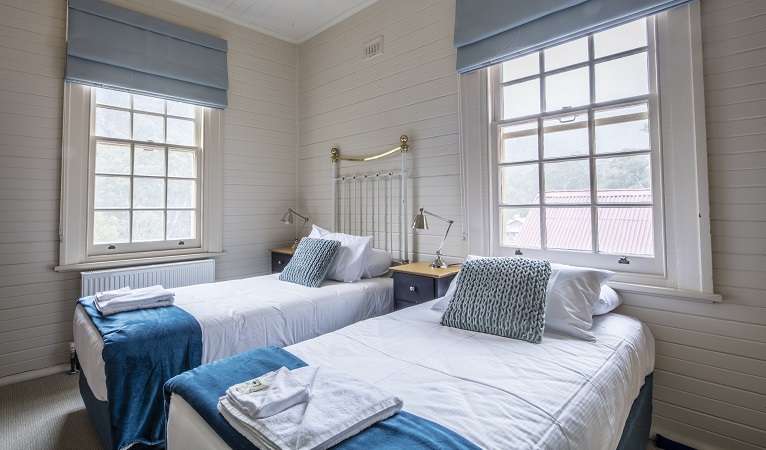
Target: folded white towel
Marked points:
340	407
283	391
149	297
110	295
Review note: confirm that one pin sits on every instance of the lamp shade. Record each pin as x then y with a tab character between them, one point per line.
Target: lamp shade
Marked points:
420	223
287	219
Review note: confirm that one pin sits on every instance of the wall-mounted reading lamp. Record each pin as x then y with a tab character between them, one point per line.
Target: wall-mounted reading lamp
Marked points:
421	223
287	219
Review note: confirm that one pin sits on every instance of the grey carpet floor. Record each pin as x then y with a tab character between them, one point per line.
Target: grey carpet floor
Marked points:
48	414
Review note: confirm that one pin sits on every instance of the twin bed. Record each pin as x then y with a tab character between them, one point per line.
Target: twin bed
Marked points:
498	393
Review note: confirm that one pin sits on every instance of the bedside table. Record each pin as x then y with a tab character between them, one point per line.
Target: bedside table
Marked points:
280	257
418	282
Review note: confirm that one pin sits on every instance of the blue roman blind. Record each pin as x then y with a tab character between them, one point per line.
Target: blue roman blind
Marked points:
491	31
116	48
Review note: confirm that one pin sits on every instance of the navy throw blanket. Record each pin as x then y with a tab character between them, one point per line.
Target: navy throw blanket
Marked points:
142	350
203	386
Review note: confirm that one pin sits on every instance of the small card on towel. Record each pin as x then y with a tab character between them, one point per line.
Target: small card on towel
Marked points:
250	386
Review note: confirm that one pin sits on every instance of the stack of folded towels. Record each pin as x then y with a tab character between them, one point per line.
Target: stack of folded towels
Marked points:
126	299
313	407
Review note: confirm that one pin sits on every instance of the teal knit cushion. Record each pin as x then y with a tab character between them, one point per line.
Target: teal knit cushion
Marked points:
310	263
501	296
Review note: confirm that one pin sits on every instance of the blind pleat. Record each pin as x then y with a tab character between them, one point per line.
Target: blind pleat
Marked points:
121	49
482	40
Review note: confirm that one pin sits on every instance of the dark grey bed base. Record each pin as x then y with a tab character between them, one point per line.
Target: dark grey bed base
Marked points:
635	435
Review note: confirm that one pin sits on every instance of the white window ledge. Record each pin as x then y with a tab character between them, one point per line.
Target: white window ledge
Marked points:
665	292
134	262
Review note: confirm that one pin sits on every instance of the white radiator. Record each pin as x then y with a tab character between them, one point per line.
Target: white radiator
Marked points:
168	275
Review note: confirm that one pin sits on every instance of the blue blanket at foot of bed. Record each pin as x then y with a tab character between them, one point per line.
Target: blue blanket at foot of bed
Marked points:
142	350
203	386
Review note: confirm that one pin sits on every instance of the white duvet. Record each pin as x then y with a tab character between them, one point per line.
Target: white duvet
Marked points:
240	315
499	393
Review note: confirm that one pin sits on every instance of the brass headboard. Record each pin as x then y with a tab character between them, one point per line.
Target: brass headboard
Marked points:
359	207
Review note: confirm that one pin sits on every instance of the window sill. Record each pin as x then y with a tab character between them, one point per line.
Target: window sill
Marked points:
134	262
676	294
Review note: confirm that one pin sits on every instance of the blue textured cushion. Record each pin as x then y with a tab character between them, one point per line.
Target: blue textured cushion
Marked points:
310	263
501	296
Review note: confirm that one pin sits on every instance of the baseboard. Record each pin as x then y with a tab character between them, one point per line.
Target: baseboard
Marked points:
32	374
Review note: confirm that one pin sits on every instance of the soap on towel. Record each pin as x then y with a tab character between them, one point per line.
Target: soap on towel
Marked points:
284	390
340	407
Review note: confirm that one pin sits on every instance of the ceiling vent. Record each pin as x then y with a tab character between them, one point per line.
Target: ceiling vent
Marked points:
373	48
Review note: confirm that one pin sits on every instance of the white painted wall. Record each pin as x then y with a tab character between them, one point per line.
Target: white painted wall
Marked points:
36	303
710	380
711	363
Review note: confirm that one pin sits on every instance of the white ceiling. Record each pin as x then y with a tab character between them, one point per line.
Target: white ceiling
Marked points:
290	20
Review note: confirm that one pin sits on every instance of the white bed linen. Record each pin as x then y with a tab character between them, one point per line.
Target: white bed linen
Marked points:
499	393
240	315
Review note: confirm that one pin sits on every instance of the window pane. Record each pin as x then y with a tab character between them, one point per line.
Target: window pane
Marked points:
620	39
627	179
566	54
112	98
622	129
182	194
111	227
112	158
148	128
567	182
568	228
181	132
521	67
181	109
148	226
521	99
111	192
112	123
519	184
566	136
181	164
148	192
626	231
149	104
149	161
622	78
521	227
181	225
567	89
518	142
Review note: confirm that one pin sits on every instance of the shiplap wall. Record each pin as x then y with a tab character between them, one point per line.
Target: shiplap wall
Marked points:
36	303
710	377
362	107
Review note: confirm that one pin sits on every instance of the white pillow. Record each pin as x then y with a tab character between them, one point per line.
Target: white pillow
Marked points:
380	262
572	295
608	300
352	257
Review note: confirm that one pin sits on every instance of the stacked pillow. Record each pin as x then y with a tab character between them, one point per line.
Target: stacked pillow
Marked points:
574	295
356	258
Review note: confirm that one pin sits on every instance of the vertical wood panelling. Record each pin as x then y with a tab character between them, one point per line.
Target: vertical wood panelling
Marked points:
362	106
260	140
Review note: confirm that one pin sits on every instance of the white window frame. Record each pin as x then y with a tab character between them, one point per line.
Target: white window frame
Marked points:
77	196
638	264
687	266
